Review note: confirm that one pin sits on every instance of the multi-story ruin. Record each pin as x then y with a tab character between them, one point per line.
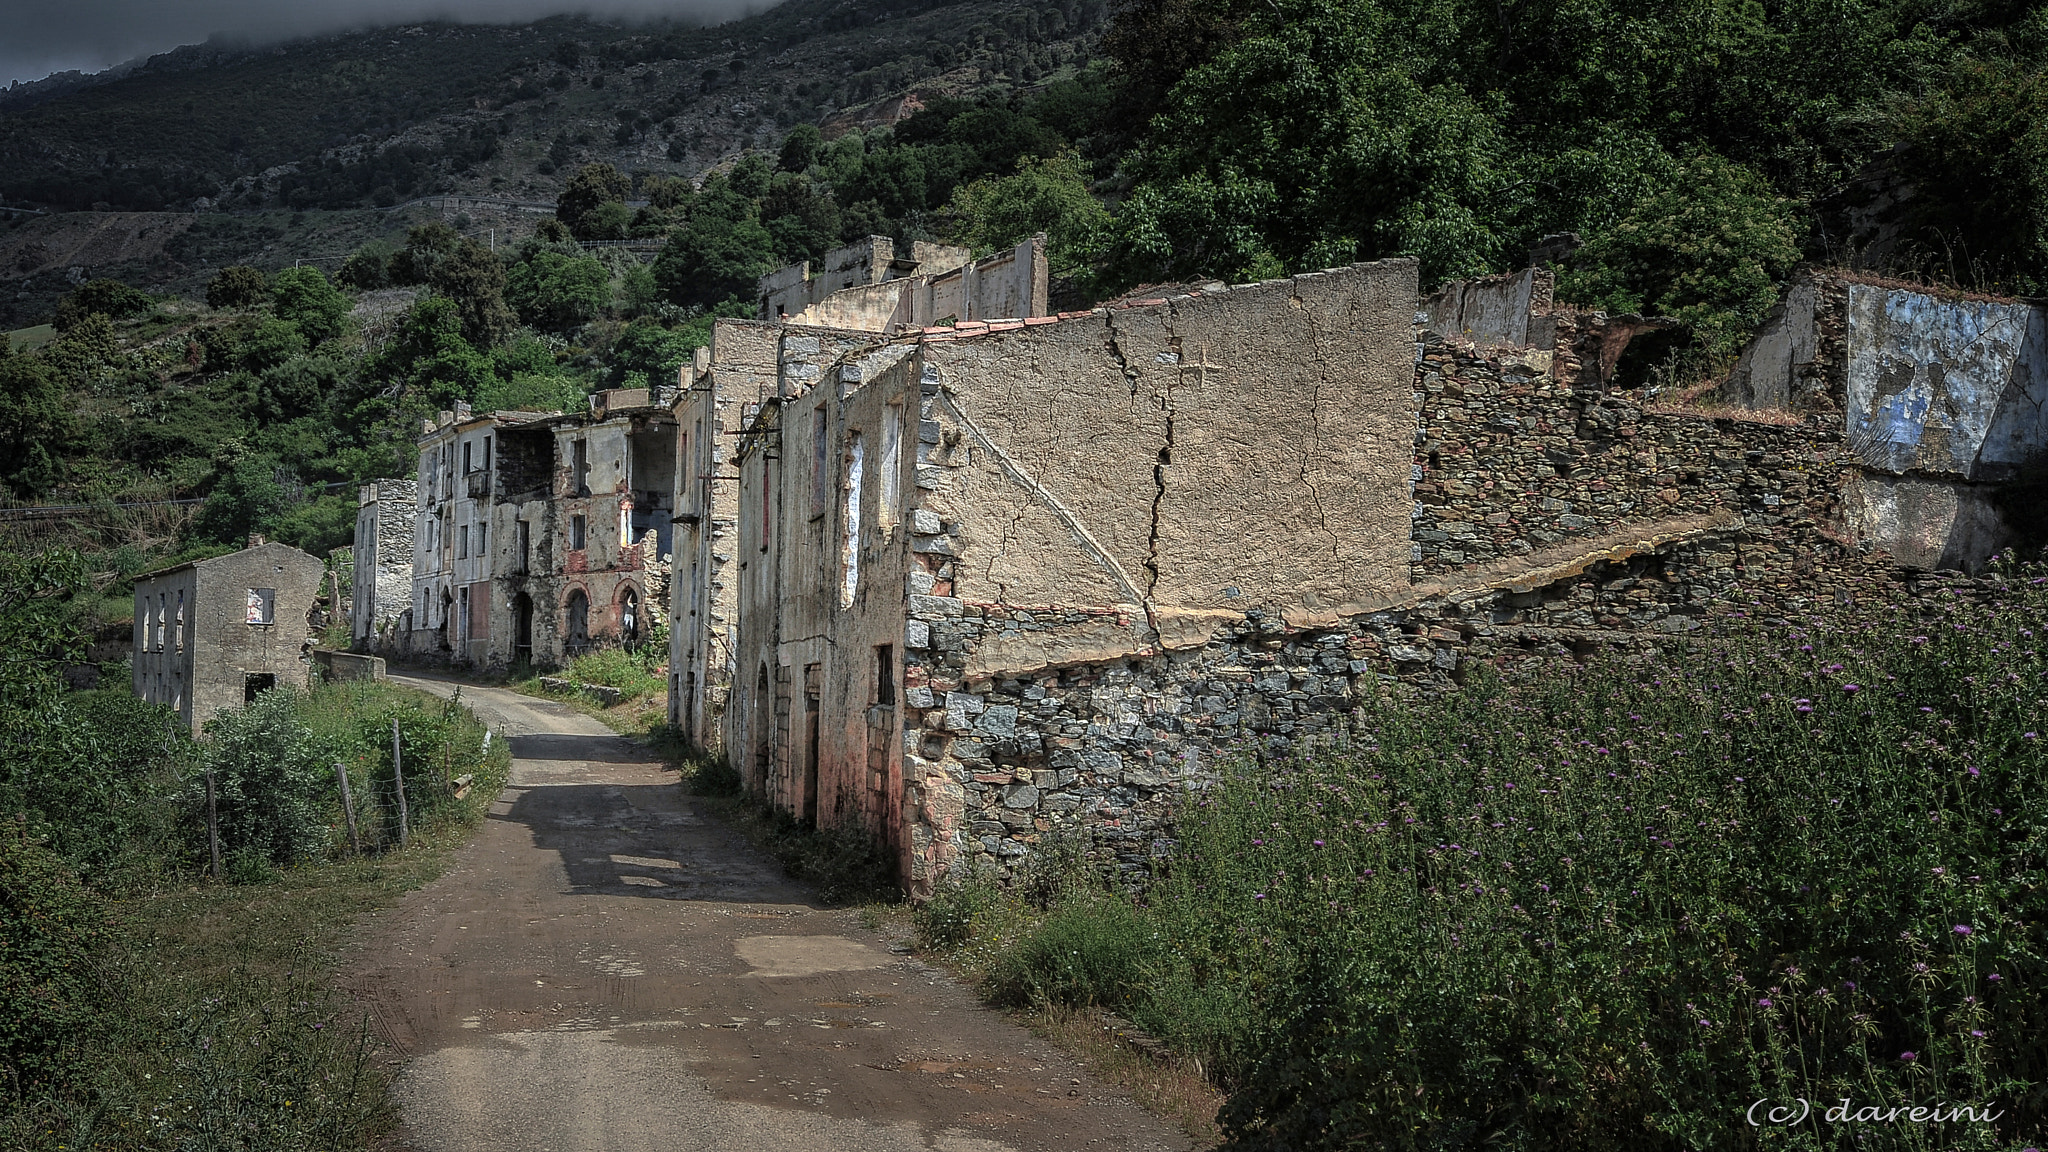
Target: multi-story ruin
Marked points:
539	535
381	597
972	584
211	634
866	286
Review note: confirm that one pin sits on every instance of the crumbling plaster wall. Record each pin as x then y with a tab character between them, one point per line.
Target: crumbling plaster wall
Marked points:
1940	396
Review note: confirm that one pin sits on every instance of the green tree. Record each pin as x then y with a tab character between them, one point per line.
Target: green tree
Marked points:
426	245
368	268
298	386
801	147
1049	196
271	343
429	358
110	298
247	495
555	292
35	425
719	255
648	355
593	187
1708	248
237	286
474	278
1975	151
304	297
802	218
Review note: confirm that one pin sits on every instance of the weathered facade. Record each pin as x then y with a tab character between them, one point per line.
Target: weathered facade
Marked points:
380	604
211	634
540	535
991	580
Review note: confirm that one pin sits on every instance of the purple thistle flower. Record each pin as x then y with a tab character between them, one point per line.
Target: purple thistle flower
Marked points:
1962	930
1994	977
1318	843
1908	1057
1764	1003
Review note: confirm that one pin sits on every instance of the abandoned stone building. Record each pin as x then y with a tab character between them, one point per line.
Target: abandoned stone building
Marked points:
539	535
971	584
865	286
211	634
381	596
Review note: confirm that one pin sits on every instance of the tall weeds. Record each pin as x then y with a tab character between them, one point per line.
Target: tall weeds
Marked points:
1614	910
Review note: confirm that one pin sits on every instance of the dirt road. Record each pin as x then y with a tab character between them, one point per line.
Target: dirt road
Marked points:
606	968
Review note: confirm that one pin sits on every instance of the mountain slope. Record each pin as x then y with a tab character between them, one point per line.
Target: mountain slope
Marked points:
380	116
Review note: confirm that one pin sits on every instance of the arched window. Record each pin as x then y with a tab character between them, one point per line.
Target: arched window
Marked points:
577	636
629	615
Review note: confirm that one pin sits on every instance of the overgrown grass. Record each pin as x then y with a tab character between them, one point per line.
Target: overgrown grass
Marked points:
216	1025
1609	911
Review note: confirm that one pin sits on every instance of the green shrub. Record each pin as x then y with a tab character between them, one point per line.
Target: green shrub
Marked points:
1611	911
1090	951
956	911
618	668
51	930
93	776
271	783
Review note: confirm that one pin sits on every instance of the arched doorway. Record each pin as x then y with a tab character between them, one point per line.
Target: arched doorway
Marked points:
447	621
577	636
629	615
522	628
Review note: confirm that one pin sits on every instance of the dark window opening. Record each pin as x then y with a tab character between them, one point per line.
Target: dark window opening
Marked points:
885	675
581	455
578	528
525	546
257	682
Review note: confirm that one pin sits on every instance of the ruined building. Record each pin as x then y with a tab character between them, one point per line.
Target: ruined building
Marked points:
539	535
864	286
211	634
962	586
380	605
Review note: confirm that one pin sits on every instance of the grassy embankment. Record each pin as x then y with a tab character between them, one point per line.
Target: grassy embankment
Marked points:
202	1014
1799	861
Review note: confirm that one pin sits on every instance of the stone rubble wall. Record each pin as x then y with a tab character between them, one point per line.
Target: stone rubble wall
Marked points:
1553	519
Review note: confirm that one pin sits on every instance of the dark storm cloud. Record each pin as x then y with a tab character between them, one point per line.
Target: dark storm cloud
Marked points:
38	37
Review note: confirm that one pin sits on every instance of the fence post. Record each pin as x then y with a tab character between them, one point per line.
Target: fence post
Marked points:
348	807
398	776
212	826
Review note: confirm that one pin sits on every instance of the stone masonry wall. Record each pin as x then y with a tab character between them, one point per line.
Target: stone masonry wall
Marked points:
1554	518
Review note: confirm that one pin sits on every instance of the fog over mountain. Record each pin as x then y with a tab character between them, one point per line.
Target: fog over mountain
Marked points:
45	36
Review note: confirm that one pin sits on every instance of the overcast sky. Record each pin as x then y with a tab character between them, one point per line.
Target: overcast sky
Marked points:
38	37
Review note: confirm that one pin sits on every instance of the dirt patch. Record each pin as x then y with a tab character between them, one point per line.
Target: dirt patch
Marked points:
88	240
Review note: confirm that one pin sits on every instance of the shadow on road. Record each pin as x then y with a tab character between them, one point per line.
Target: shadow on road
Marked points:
642	840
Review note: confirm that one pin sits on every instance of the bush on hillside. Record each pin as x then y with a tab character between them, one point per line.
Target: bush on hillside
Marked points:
237	286
51	932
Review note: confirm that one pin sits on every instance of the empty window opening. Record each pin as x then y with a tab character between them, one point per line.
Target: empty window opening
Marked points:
885	675
580	453
462	542
487	453
629	615
820	476
468	465
254	683
889	494
262	605
525	546
462	602
481	530
181	620
162	612
577	532
849	548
